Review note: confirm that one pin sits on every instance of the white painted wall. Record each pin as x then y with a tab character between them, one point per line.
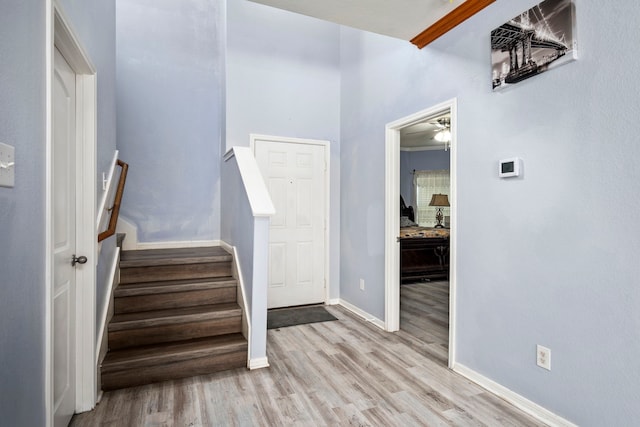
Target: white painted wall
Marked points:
550	258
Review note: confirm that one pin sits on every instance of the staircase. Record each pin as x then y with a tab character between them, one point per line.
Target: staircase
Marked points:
175	316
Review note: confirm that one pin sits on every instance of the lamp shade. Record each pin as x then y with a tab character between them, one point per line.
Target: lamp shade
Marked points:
439	200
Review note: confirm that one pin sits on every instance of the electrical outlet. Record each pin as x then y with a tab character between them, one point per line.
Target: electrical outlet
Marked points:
543	357
362	284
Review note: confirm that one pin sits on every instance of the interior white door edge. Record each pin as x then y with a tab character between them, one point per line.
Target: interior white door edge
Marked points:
392	219
60	36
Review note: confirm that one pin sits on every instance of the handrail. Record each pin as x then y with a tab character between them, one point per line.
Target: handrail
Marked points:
115	209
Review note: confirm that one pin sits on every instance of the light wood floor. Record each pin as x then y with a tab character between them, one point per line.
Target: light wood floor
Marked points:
339	373
424	315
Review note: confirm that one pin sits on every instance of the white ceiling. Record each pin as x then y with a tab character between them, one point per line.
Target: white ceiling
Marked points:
421	136
402	19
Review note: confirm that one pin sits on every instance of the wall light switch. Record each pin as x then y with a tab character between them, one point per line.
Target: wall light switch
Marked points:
7	165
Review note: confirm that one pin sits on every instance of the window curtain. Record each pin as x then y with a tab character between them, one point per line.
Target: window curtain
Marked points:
426	184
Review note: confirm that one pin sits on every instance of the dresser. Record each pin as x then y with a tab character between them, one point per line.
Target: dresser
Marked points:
424	255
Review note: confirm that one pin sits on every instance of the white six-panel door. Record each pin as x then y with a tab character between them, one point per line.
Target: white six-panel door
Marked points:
295	176
64	239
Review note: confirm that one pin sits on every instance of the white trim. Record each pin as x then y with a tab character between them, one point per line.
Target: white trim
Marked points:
392	218
86	244
261	362
131	242
102	319
361	313
227	247
326	145
253	137
257	193
124	226
102	209
531	408
177	244
48	258
237	274
60	34
334	301
425	148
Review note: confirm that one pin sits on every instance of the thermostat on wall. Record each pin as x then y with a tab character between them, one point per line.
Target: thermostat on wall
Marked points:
509	167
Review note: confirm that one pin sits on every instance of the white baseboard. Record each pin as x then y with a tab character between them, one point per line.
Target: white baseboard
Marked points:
236	270
334	301
261	362
359	312
531	408
102	318
131	240
177	244
227	247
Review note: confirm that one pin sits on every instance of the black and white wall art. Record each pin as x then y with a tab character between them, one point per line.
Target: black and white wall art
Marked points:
533	42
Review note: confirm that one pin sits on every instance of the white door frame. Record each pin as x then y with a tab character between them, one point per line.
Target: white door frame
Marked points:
61	35
392	218
327	192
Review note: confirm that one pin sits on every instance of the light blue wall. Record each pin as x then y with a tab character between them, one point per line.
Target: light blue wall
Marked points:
283	79
22	208
169	98
94	23
550	258
419	161
22	268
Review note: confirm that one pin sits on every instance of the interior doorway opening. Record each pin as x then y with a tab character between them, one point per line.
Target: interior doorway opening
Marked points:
432	261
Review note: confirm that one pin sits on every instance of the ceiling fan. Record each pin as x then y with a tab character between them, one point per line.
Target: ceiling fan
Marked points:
444	134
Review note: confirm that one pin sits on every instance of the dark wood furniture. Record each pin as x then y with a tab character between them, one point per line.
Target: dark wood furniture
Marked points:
424	258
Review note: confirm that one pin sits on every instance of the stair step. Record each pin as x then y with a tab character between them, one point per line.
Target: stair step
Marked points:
153	363
158	273
169	286
161	326
175	315
130	298
180	256
168	353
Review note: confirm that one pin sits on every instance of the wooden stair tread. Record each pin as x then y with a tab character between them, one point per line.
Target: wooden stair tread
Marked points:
169	286
173	315
155	354
152	257
144	319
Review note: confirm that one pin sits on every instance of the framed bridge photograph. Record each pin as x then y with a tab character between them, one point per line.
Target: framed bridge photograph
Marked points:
537	40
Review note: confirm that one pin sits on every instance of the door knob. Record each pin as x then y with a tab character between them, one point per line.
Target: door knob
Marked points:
78	260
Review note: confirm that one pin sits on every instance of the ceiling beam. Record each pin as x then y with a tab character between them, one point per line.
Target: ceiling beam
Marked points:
457	16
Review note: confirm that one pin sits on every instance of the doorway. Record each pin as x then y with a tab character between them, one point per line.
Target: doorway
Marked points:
296	174
392	217
70	344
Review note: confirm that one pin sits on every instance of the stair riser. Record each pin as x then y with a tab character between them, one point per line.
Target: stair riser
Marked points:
174	300
171	371
174	272
177	332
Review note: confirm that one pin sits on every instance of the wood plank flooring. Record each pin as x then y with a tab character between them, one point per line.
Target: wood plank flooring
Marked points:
424	315
341	373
